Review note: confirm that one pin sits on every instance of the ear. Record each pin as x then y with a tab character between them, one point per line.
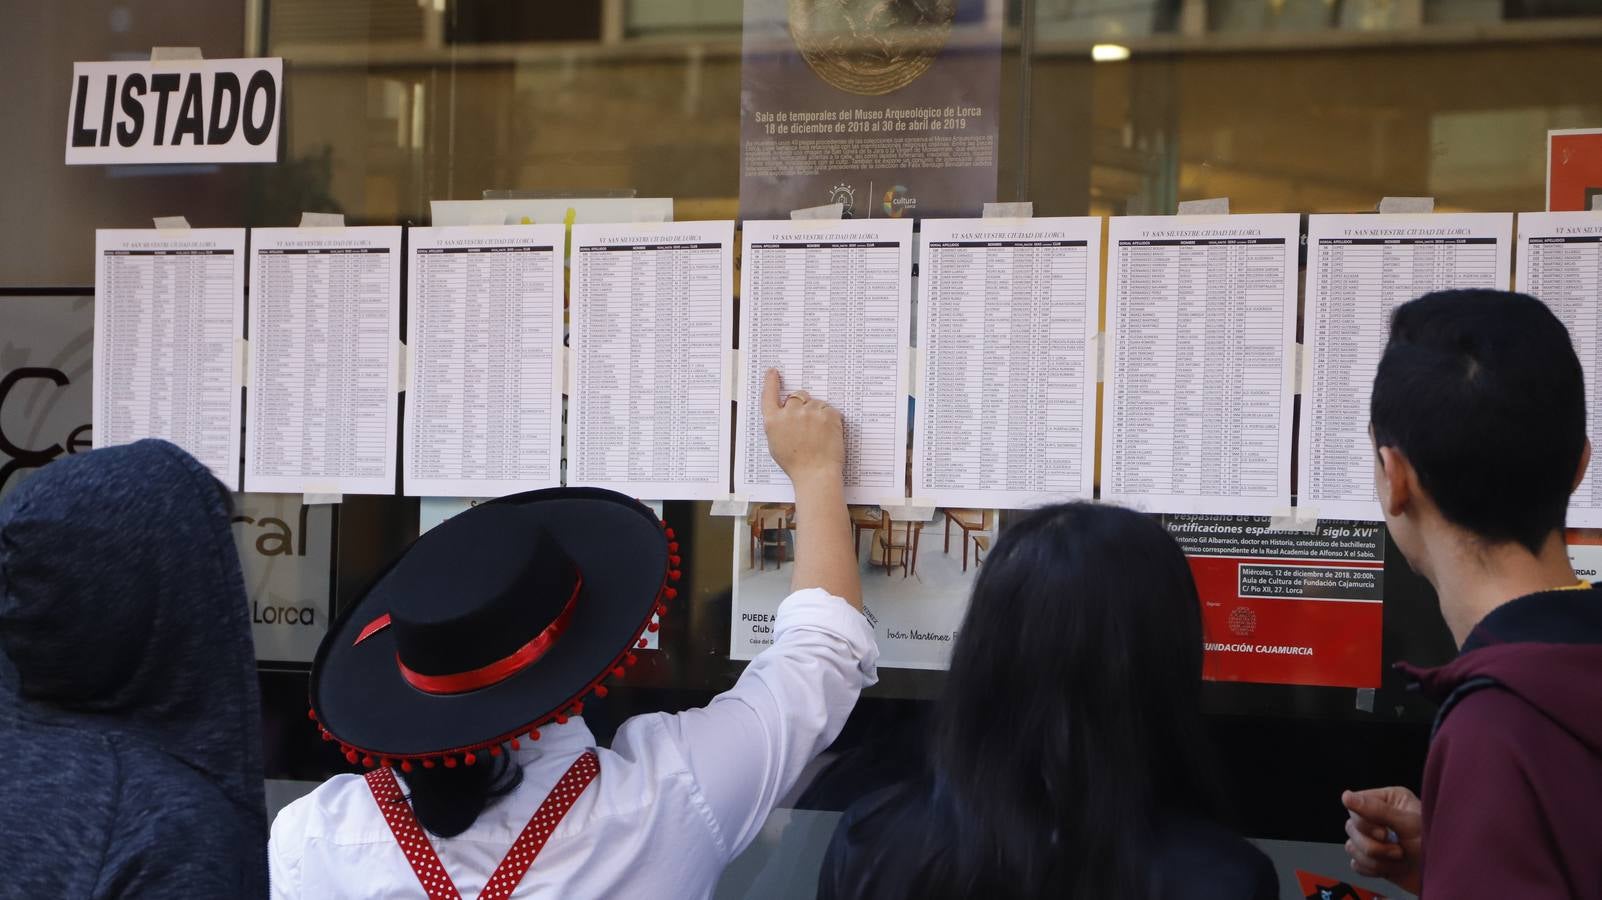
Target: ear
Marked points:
1395	481
1585	463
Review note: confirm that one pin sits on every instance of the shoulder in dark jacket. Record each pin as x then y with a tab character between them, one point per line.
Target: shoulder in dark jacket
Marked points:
876	852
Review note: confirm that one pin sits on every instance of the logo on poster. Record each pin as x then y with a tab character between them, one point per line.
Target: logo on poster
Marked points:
1242	621
896	201
845	195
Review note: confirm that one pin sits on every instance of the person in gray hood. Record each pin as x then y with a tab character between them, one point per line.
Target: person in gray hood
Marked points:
129	716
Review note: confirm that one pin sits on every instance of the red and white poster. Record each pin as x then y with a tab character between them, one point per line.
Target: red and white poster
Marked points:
1573	168
1287	607
1324	887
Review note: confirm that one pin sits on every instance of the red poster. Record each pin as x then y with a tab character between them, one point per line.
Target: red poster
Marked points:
1287	607
1323	887
1573	169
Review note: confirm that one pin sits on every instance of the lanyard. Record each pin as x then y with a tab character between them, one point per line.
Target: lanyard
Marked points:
425	861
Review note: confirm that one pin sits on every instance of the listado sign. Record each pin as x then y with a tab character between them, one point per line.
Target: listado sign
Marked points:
171	111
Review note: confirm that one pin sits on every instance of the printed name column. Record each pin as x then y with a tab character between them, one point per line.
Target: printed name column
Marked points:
1201	313
1359	269
324	324
828	304
652	323
1560	263
1007	412
169	312
484	395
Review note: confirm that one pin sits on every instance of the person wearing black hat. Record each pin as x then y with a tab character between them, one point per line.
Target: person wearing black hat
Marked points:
459	681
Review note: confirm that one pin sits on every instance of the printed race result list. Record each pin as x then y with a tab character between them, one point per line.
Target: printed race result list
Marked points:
1359	269
1007	319
169	313
484	407
1201	316
652	321
829	304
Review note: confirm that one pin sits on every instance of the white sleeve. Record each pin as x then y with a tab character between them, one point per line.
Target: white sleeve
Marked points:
283	853
748	746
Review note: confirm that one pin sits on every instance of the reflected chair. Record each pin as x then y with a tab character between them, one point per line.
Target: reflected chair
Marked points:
863	518
899	537
969	520
768	526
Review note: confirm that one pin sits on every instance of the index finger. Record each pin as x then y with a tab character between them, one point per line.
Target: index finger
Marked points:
770	391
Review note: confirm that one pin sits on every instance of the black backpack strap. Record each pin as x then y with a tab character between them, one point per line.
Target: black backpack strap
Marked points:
1477	683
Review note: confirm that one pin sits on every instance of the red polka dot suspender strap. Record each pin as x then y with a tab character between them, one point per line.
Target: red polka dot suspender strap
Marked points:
425	862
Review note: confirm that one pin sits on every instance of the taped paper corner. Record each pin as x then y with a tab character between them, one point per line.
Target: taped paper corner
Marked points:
733	505
733	376
242	361
1389	205
322	220
903	509
826	211
175	54
1022	209
1212	206
1294	519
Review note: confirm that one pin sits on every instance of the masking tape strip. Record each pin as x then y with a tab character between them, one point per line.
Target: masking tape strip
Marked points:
731	364
1298	368
175	54
909	372
1407	205
1212	206
734	376
1098	350
902	509
322	495
322	220
569	360
650	212
1365	699
1596	203
1294	519
735	505
826	211
170	223
1023	209
403	367
242	361
919	361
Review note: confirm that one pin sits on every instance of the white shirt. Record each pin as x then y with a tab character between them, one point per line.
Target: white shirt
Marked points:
678	797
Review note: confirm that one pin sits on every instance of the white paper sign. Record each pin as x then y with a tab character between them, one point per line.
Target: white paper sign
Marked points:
175	111
286	554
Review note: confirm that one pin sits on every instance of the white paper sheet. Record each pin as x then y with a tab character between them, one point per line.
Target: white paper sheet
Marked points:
829	304
1560	263
652	320
324	327
169	312
1007	320
1201	321
1359	269
484	332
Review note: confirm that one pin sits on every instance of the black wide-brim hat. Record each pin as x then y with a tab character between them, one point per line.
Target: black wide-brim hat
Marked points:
495	622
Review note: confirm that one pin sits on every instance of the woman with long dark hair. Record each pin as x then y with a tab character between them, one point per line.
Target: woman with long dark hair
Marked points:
1068	757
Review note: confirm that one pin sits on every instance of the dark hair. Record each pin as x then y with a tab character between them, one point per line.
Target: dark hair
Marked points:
448	801
1071	719
1482	392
